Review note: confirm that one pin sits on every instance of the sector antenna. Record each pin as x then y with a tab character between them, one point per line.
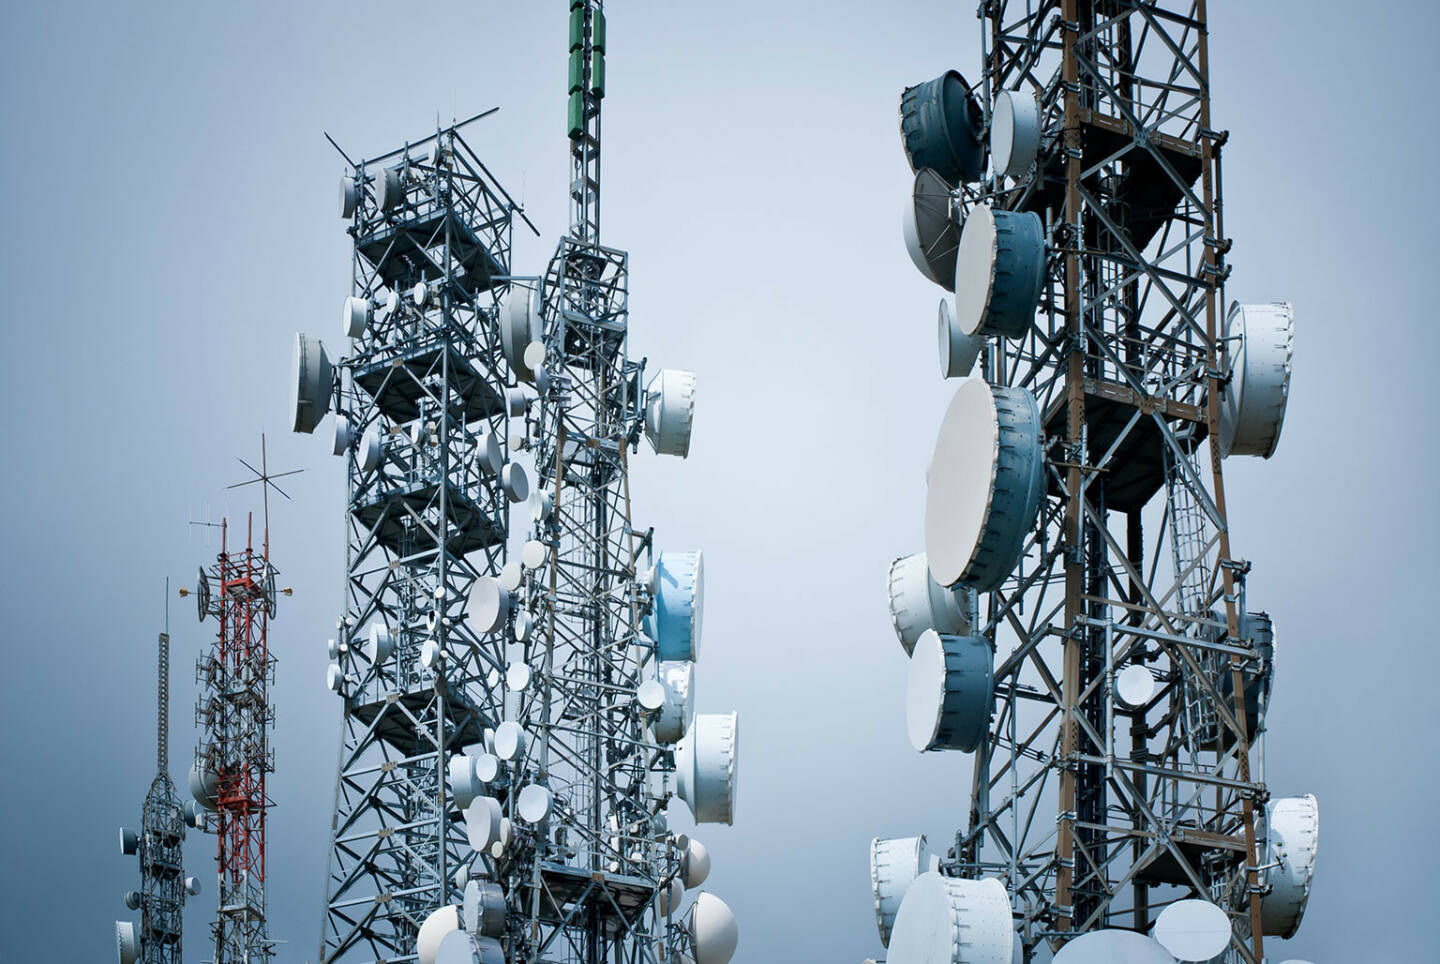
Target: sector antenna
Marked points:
1109	691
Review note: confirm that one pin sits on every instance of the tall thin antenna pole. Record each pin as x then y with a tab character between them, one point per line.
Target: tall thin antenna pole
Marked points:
162	736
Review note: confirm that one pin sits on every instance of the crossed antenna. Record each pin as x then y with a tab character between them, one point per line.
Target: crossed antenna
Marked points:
263	476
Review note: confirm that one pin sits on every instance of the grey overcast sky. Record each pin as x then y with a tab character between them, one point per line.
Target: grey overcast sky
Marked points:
169	220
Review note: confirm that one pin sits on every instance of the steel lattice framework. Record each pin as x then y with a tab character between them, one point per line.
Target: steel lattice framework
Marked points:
424	380
233	757
1125	358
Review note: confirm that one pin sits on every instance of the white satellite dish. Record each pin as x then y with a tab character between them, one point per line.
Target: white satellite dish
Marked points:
1014	132
487	767
488	454
535	356
460	947
127	946
669	898
678	708
389	189
679	589
334	677
510	740
949	693
1135	685
515	482
517	677
357	317
949	920
1292	840
1193	930
349	196
1112	946
520	324
132	899
430	650
714	930
511	575
482	823
524	622
420	294
204	785
372	450
694	864
894	865
312	379
517	400
705	761
379	644
650	695
999	271
958	350
533	554
129	843
433	931
192	886
332	649
670	411
1252	407
342	434
985	485
484	908
489	605
533	805
918	602
461	779
541	504
930	230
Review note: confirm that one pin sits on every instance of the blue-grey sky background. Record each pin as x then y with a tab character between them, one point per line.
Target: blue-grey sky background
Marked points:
169	220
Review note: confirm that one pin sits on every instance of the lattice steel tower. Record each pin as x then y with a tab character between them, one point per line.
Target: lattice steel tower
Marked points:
233	757
509	726
159	844
1118	781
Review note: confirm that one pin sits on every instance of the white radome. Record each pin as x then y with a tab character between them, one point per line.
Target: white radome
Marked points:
1014	132
948	920
433	931
670	411
1193	930
714	930
1252	408
894	865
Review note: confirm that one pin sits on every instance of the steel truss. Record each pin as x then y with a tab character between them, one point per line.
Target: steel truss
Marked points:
1125	358
162	869
427	378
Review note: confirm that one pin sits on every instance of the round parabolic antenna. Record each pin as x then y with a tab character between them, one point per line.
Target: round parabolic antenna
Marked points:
1292	840
356	316
984	486
389	189
379	644
999	271
930	230
669	898
342	435
515	482
487	768
650	695
670	411
534	553
311	380
940	123
489	604
204	784
488	455
678	708
894	865
1193	930
482	823
349	196
517	676
464	784
694	864
533	805
1114	947
918	602
677	617
334	677
511	575
714	930
132	899
958	350
705	762
1252	409
519	325
129	843
949	693
484	907
509	740
127	946
372	450
433	931
947	920
1014	132
1135	685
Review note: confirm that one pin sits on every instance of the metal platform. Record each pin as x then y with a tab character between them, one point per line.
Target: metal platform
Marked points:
395	717
400	250
573	895
395	517
397	381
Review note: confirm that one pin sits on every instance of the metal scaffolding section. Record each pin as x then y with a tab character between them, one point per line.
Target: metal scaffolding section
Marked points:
233	756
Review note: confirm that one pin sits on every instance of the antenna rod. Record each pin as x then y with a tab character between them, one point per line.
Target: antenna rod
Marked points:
162	726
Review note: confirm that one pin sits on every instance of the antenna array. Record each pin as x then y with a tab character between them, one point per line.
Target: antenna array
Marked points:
1088	269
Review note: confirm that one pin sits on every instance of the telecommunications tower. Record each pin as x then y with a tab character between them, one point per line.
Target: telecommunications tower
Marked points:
163	884
1112	689
516	718
233	757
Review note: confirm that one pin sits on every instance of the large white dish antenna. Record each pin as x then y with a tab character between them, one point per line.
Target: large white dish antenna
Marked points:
533	554
918	602
670	411
947	920
311	381
464	784
511	575
129	843
534	802
484	907
489	605
679	588
1252	408
334	677
342	434
356	317
204	784
999	271
127	946
1135	685
487	768
349	196
520	324
714	930
1113	947
488	454
515	482
668	900
930	230
694	864
389	188
958	350
517	676
459	947
1193	930
940	123
984	487
510	740
678	707
1014	132
372	450
650	695
894	865
379	643
433	931
949	693
705	761
1292	840
192	886
482	823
